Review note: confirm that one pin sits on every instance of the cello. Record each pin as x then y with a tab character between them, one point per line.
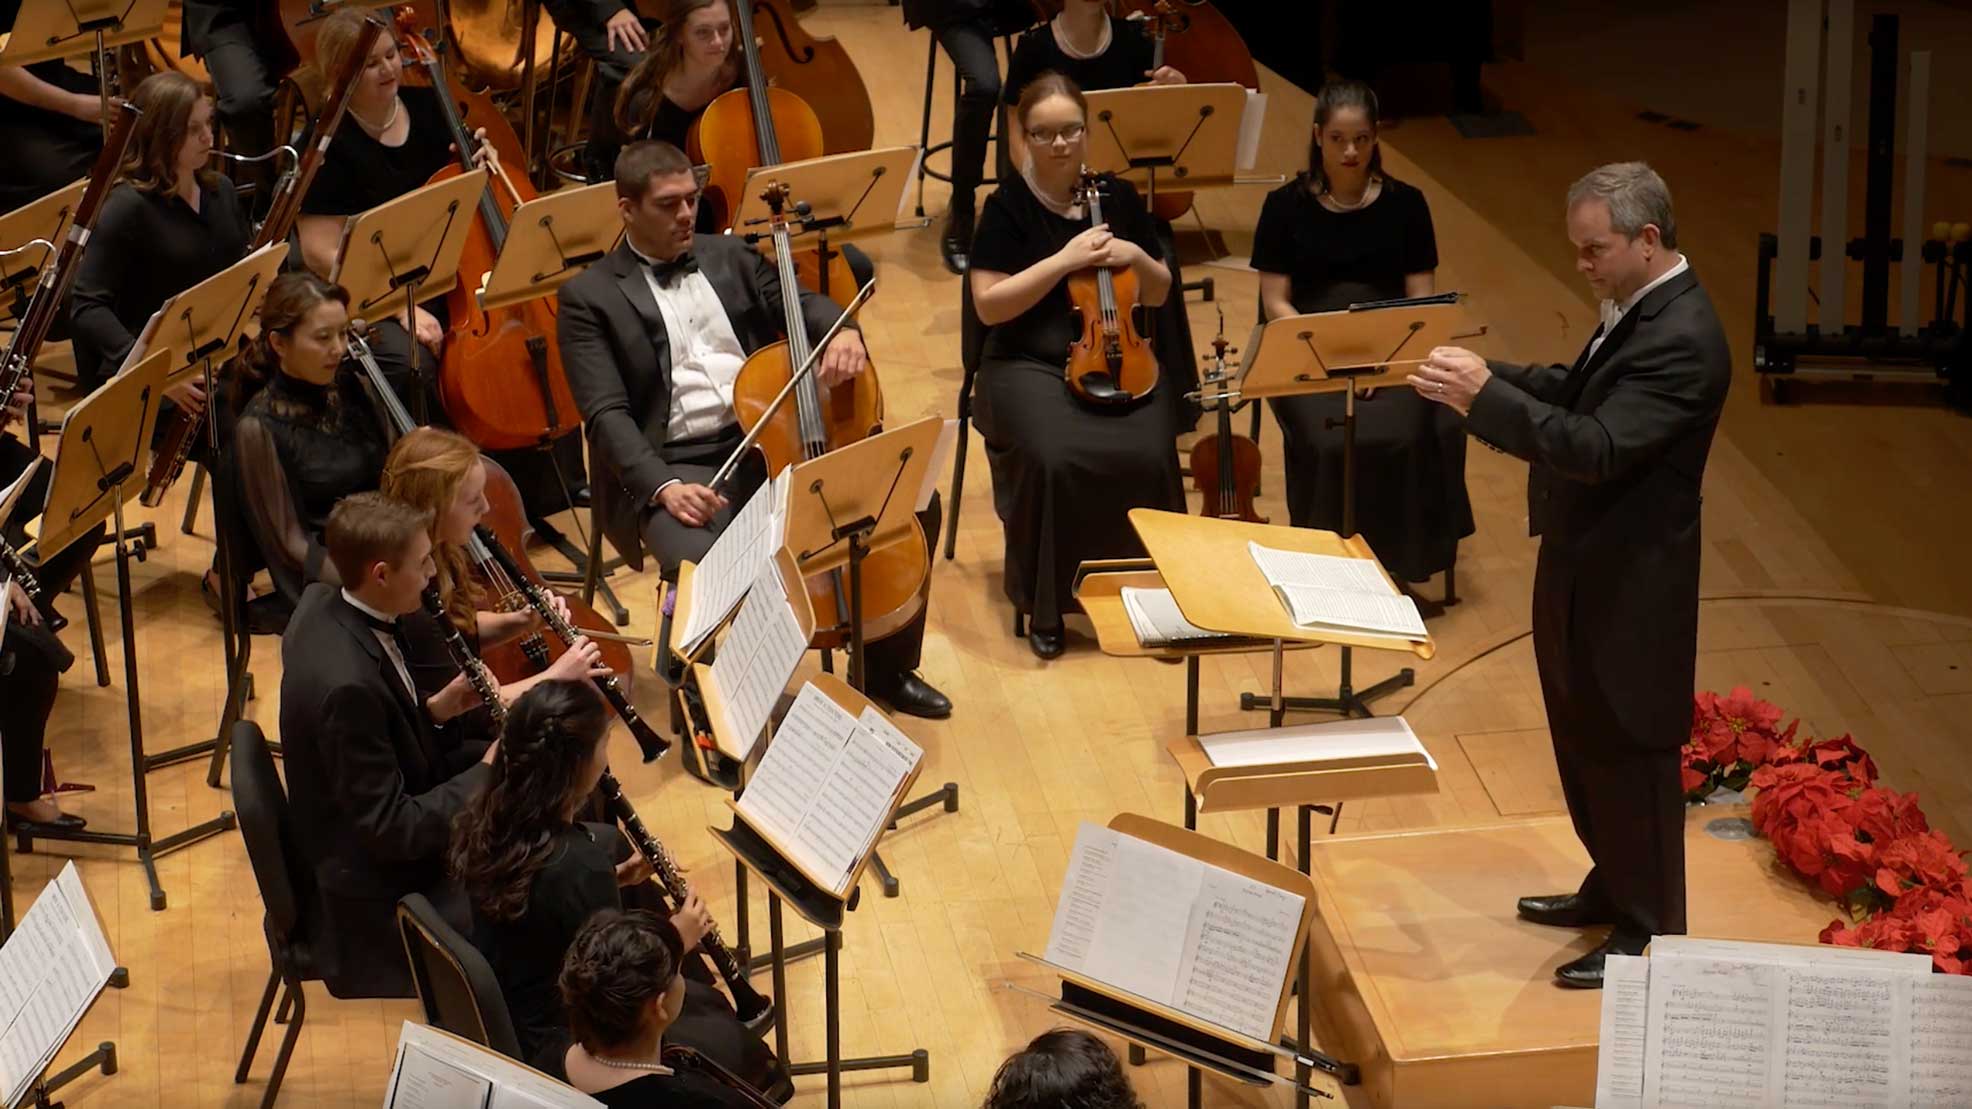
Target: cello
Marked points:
500	378
893	577
762	124
1110	362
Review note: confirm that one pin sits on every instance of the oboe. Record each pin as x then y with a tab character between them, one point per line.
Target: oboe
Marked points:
679	1057
755	1010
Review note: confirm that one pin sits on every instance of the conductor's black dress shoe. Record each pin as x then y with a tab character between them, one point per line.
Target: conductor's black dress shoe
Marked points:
1566	910
1585	973
914	696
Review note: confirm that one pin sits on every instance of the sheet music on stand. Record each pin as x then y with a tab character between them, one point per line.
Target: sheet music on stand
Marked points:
757	658
1718	1022
735	562
1155	617
51	970
436	1070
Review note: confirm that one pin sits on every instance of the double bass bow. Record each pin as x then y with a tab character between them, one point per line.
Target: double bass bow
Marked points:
500	377
181	432
1110	362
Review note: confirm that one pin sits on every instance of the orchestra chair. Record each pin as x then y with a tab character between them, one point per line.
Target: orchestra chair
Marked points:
995	137
455	983
972	346
286	890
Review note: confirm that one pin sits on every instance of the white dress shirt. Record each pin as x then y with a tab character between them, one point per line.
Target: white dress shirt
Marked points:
1613	313
389	643
705	354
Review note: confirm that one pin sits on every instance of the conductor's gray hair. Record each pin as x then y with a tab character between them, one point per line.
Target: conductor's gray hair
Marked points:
1636	196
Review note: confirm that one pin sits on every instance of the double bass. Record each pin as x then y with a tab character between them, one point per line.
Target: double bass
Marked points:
1110	362
500	378
893	577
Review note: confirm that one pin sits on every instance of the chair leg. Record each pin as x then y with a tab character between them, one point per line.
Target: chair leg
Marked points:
1019	624
924	128
95	617
1451	583
192	500
259	1026
287	1045
958	478
287	999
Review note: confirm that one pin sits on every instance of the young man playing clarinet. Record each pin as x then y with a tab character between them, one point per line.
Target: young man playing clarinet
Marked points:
653	337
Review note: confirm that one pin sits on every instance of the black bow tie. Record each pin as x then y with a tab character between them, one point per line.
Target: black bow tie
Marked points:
388	627
674	271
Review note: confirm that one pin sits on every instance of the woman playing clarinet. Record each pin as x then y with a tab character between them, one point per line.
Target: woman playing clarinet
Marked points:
1342	233
1065	473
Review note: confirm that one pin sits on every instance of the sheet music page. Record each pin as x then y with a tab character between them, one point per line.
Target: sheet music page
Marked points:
1237	950
1157	619
733	564
1393	615
1140	941
54	965
941	454
1841	1047
1715	1034
1938	1019
1251	123
425	1081
1374	737
1318	571
1818	956
1083	890
788	782
854	801
757	658
1620	1038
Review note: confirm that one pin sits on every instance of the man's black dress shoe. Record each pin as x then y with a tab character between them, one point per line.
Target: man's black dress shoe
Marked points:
1567	910
914	696
1047	642
1585	973
955	245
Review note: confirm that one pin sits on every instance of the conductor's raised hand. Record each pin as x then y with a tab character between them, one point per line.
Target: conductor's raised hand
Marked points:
690	505
1452	376
844	358
583	659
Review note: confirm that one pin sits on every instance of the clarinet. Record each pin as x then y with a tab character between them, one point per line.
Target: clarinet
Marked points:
652	744
754	1009
18	569
680	1057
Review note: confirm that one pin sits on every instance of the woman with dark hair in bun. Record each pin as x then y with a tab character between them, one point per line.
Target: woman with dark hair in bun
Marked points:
1066	1066
534	873
624	992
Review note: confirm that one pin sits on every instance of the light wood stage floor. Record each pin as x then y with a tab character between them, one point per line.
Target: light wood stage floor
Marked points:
1803	540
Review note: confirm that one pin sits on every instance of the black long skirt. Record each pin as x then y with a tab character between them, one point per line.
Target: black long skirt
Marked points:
1066	475
1411	501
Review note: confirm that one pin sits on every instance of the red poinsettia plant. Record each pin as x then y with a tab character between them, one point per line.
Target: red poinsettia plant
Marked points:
1902	883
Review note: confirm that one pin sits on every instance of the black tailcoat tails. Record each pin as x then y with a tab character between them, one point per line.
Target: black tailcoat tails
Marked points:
1616	448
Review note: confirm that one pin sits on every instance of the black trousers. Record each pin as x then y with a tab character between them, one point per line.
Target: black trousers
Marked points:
970	46
246	89
1627	802
671	542
612	66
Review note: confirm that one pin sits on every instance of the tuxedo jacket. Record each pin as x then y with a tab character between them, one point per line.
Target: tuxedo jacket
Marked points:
372	786
1616	448
618	358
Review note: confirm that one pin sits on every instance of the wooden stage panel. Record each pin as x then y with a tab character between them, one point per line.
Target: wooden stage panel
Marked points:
1426	977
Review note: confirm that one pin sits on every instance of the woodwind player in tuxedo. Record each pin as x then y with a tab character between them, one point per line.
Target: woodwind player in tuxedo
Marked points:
1616	449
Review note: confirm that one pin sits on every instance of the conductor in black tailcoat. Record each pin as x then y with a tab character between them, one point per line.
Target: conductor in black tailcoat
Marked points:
1616	447
375	772
653	337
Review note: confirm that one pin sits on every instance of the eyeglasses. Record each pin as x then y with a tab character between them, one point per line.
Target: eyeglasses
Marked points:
1041	136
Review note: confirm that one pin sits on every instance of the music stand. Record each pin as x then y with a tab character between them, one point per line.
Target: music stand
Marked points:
42	222
197	331
63	29
1188	134
1368	345
838	198
98	467
549	240
845	504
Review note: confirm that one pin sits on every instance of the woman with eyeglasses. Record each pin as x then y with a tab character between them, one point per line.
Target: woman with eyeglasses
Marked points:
1065	474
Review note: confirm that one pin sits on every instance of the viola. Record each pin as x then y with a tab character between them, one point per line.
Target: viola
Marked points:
1225	466
894	577
500	378
1110	362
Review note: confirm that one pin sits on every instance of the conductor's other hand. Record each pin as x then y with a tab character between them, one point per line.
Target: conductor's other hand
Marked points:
583	659
845	358
693	920
1452	376
690	505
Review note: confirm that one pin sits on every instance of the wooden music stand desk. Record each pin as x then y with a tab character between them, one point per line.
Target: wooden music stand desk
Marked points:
47	29
849	196
201	326
1171	136
549	240
407	250
1360	347
47	220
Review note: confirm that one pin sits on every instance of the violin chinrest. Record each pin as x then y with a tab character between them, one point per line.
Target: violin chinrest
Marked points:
1100	387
